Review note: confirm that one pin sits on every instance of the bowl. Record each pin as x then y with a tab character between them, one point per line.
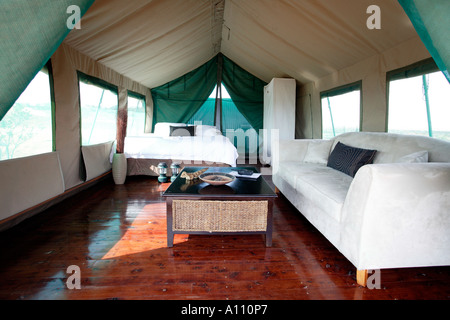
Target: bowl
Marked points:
217	178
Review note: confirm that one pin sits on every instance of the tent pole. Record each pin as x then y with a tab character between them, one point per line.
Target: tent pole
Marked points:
427	101
331	116
96	115
218	113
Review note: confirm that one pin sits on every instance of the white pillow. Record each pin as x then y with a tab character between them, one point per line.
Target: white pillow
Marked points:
207	131
416	157
162	129
318	151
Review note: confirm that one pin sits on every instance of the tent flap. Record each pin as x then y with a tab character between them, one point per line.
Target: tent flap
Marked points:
180	99
430	18
246	91
30	33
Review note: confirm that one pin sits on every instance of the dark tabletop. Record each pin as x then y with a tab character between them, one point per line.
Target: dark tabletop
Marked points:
239	187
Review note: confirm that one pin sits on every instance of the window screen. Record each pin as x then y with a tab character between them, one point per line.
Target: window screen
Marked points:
99	104
418	101
27	128
341	110
136	114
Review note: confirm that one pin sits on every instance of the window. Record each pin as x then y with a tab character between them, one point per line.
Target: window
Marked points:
341	110
27	128
418	101
99	105
136	114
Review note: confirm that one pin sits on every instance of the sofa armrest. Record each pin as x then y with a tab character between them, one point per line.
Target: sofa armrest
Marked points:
397	215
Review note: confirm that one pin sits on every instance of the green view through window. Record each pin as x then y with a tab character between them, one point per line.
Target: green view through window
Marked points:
27	127
418	103
99	105
136	115
341	110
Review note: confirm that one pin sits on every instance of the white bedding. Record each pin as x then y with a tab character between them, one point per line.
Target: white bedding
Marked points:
216	148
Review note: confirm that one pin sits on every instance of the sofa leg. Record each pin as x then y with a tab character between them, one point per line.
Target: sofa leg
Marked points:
361	277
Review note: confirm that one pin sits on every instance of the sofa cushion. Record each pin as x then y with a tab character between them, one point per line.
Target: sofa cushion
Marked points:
349	159
318	151
318	185
289	170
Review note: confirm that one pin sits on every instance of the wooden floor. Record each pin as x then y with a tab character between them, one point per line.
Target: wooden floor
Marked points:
116	235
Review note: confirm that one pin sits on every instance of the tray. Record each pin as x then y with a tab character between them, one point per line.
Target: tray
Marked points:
217	178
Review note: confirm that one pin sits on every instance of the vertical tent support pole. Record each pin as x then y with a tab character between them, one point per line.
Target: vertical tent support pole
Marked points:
218	113
427	101
96	115
331	116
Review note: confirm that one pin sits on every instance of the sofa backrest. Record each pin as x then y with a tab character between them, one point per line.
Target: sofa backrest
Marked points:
392	147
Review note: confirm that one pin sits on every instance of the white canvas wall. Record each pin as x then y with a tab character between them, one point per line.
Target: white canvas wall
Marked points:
65	62
29	181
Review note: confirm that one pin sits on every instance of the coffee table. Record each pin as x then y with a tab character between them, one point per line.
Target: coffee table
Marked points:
242	206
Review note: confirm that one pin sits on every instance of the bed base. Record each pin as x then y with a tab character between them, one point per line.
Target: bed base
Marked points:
149	167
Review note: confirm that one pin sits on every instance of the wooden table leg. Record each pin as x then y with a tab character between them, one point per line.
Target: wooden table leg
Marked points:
169	215
268	239
269	224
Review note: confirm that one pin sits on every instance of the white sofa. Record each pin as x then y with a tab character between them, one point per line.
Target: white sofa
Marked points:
394	213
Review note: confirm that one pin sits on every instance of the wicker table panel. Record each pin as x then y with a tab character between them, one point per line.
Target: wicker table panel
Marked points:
219	216
243	206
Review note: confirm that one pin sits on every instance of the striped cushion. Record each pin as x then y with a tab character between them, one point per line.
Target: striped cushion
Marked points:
349	159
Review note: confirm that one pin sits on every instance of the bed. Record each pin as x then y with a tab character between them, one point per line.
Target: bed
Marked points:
198	145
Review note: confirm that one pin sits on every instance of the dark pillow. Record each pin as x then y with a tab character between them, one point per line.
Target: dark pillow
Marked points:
182	131
349	159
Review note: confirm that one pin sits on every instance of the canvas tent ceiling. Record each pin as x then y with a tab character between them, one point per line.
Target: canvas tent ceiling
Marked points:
153	42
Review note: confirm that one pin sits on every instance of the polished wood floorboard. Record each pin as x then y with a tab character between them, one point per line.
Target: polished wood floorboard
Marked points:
116	235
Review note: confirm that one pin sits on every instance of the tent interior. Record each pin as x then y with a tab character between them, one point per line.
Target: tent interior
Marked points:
138	46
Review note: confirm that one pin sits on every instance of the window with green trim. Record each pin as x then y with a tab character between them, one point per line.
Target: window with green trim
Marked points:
136	114
98	105
27	128
341	110
418	101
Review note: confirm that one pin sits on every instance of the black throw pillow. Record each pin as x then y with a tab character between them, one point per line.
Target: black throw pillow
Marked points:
182	131
349	159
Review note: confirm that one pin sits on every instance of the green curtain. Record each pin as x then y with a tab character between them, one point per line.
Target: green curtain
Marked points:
205	114
246	91
431	20
180	99
232	118
30	32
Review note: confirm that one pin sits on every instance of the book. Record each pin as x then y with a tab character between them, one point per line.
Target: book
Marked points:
254	176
